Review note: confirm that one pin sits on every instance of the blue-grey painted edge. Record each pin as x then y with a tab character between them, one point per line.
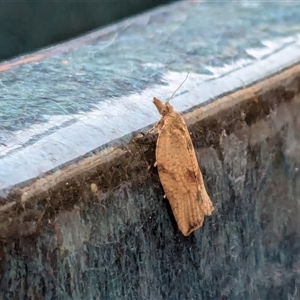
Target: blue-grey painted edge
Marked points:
115	119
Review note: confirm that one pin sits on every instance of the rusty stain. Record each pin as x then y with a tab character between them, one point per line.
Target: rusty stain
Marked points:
8	65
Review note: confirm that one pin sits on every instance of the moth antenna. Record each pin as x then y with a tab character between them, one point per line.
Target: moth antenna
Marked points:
178	87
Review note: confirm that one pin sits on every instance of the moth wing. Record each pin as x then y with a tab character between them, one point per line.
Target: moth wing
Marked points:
176	160
207	205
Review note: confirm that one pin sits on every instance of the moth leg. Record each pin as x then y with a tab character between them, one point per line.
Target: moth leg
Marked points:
155	164
165	196
154	129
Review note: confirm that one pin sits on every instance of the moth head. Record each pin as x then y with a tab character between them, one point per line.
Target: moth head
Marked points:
163	108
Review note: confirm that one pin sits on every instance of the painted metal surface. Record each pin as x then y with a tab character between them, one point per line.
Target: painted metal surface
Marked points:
100	228
109	234
61	103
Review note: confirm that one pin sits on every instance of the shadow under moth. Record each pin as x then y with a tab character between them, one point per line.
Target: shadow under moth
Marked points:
178	170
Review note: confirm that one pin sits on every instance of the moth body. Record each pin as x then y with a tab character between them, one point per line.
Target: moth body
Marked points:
179	171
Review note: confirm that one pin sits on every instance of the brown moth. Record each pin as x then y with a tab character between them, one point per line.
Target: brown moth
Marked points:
179	171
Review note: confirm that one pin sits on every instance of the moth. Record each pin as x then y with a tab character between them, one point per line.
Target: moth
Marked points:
178	170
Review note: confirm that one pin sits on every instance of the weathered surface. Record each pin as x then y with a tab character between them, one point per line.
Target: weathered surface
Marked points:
91	238
63	102
82	214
